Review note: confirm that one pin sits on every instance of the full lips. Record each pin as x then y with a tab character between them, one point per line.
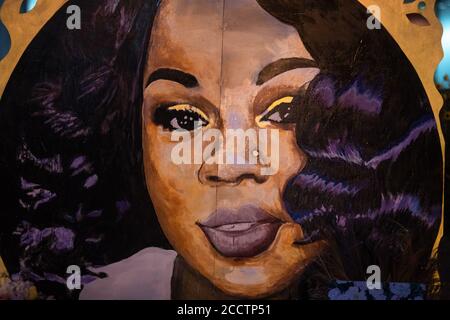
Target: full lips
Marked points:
244	232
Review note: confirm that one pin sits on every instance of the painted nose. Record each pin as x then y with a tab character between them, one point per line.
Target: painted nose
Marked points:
226	174
238	165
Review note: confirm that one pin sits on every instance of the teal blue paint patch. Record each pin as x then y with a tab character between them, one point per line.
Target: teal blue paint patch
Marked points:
5	39
422	5
443	13
27	6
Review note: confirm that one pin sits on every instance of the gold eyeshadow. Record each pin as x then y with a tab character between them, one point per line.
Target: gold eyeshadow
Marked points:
272	107
188	107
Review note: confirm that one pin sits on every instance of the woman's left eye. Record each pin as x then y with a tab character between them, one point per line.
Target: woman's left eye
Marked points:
281	111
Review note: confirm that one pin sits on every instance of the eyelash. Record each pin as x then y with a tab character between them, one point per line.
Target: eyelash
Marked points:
185	116
179	117
281	111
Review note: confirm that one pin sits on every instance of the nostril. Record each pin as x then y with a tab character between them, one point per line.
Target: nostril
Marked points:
250	176
229	175
260	179
213	178
235	181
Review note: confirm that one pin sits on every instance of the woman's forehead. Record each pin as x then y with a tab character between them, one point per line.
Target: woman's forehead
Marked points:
231	39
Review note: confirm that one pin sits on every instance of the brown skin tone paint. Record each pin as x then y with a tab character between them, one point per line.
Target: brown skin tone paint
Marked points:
225	46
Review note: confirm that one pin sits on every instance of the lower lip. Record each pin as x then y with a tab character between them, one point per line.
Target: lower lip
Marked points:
242	240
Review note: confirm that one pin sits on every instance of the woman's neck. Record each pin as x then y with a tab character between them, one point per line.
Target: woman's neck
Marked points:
188	284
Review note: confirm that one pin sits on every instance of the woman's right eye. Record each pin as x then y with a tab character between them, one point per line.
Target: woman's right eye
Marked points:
180	117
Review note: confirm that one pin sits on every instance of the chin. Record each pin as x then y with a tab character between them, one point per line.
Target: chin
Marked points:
246	278
261	284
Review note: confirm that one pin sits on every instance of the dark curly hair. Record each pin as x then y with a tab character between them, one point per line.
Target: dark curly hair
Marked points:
73	189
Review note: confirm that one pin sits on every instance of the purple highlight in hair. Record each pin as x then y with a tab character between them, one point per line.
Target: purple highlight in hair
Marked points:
35	195
110	6
26	185
337	150
95	214
301	216
390	204
53	164
91	181
404	202
324	91
54	278
64	123
88	279
79	214
95	80
341	221
363	101
394	152
32	238
94	240
61	239
77	162
122	206
31	276
47	232
314	181
86	167
401	202
348	153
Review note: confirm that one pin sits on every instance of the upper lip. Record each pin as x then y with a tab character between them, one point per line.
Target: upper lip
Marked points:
245	214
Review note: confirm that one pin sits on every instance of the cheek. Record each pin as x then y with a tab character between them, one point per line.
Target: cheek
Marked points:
177	196
174	189
292	158
161	173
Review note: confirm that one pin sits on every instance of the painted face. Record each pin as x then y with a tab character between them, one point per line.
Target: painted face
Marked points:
214	67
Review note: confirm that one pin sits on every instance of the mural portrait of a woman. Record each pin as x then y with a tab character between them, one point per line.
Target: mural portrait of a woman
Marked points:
88	176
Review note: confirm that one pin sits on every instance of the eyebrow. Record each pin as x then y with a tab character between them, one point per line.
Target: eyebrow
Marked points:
283	65
186	79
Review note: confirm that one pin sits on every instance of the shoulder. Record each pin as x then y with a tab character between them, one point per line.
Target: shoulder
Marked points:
144	276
